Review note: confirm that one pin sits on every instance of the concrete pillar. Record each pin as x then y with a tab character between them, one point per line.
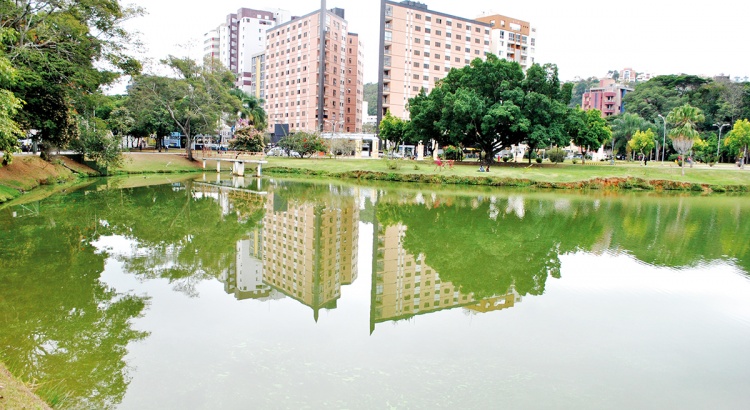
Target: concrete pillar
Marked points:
238	168
375	149
357	148
204	164
238	182
420	151
218	166
435	147
258	173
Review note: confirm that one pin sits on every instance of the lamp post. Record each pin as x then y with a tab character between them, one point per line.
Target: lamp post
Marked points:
718	143
664	139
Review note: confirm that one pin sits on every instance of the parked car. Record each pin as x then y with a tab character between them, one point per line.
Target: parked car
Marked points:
279	152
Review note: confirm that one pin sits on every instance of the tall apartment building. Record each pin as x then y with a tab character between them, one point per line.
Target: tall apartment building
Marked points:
420	47
313	74
512	39
239	38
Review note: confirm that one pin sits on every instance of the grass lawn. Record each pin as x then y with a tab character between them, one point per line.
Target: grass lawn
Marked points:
567	172
152	162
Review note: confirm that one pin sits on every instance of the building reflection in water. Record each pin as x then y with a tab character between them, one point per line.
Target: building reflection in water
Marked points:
403	285
306	250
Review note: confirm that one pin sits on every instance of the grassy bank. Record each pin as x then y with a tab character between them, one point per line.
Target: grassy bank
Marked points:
16	395
28	172
562	176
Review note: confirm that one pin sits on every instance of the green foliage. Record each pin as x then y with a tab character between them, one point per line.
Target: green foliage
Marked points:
396	131
252	109
248	139
538	160
196	101
58	50
556	155
97	143
580	88
642	142
587	129
683	121
454	153
739	139
491	104
303	143
371	96
9	106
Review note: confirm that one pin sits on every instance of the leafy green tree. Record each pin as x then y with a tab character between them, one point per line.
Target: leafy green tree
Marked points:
97	143
684	120
624	127
643	142
248	139
121	122
252	109
544	107
371	96
59	49
395	130
479	106
305	144
197	101
739	139
587	129
9	106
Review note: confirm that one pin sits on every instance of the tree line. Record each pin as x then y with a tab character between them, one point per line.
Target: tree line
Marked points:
492	105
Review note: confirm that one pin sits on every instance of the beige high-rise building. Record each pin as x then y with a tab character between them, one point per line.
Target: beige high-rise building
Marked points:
309	250
309	87
419	46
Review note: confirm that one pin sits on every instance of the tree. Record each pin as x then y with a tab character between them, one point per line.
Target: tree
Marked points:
683	133
739	139
196	101
479	105
580	88
9	106
303	143
97	143
248	139
121	122
394	130
544	107
587	129
624	127
371	96
62	51
642	142
252	109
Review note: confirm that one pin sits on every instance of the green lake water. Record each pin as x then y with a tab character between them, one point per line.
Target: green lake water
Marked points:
235	294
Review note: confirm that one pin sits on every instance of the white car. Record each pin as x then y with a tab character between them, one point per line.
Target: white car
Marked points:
279	152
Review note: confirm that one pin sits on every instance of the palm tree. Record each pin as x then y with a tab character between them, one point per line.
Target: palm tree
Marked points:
624	127
252	109
684	120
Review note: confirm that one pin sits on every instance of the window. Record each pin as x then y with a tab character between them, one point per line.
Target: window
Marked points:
416	76
458	37
438	32
427	42
448	23
416	52
448	35
416	64
417	28
418	16
428	18
437	44
437	68
426	66
427	30
417	41
426	78
426	53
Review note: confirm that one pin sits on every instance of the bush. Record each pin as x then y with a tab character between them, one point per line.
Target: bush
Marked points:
556	155
527	153
453	153
575	160
506	158
538	160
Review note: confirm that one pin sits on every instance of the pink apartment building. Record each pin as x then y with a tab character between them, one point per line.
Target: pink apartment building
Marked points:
313	74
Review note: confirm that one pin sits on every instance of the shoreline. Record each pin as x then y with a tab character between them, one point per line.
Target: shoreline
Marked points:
14	394
29	173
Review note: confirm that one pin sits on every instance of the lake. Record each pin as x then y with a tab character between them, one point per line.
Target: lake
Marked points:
218	293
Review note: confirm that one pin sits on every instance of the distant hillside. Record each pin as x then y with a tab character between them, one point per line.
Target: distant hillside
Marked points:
371	96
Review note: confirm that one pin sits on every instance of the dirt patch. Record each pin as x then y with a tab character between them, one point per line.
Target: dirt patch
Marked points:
28	172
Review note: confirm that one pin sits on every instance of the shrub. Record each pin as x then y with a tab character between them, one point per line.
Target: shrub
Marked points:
538	160
575	160
527	153
556	155
453	153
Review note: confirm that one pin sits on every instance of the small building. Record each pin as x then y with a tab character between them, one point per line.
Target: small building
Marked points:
607	99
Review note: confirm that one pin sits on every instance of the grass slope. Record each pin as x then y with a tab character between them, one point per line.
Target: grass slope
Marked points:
15	395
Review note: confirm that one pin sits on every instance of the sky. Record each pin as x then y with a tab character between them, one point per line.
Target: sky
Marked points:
583	37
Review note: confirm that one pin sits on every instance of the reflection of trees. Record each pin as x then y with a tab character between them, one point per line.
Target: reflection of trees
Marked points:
62	327
680	231
485	246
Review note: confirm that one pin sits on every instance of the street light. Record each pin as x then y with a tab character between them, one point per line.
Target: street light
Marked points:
664	140
718	143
